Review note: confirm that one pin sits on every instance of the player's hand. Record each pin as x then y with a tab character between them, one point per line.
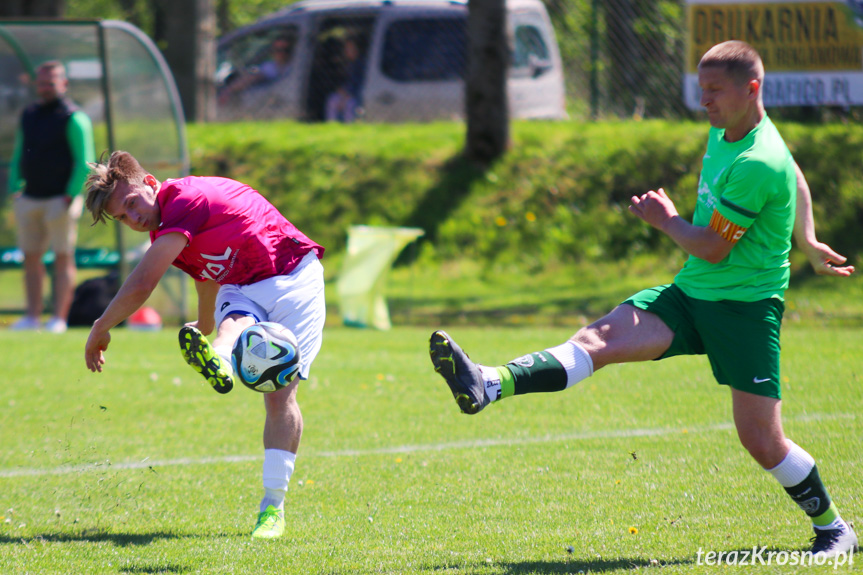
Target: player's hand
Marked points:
205	326
97	343
825	261
654	207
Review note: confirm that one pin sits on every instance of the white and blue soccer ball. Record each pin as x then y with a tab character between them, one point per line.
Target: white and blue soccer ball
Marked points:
266	357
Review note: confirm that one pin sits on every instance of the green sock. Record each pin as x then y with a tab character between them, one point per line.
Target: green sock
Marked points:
812	497
828	517
507	382
538	372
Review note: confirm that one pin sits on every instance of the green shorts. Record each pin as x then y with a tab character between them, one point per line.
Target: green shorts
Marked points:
741	339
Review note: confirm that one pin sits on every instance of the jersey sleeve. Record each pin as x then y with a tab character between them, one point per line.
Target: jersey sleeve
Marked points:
185	212
14	183
746	192
79	133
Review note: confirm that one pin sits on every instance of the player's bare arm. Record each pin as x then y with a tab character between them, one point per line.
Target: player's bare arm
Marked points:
132	295
823	259
207	292
658	210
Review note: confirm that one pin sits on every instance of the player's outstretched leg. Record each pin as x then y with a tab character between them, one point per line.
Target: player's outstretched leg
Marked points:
461	374
271	523
199	354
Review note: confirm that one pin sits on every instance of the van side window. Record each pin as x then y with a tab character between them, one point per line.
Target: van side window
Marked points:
426	49
529	48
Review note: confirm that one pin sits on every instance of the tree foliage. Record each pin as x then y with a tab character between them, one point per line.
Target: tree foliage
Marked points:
144	13
32	8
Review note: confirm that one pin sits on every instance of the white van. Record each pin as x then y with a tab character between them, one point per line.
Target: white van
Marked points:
380	60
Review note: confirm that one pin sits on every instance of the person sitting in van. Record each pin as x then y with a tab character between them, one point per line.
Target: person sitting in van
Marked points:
276	68
342	104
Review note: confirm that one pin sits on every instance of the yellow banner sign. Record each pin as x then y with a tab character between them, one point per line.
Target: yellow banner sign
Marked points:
789	36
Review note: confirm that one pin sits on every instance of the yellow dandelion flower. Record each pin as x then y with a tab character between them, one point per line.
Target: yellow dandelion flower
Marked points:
500	221
633	531
530	216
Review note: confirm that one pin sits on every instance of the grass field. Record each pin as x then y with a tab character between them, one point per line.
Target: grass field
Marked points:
143	469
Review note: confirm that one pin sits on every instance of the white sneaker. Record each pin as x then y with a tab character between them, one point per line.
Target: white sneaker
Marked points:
833	542
26	323
55	325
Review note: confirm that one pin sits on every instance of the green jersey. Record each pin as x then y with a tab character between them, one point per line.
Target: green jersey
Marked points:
752	183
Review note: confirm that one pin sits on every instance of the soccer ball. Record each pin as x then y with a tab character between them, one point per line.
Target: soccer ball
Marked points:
266	357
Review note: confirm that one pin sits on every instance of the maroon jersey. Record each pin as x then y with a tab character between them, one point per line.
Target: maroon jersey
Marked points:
235	235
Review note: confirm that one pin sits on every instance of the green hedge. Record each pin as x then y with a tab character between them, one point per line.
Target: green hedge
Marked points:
559	196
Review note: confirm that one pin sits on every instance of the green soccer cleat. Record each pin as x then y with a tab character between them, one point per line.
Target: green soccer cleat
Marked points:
198	353
461	374
271	524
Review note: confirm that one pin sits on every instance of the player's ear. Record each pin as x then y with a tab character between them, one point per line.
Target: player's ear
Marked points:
754	88
150	180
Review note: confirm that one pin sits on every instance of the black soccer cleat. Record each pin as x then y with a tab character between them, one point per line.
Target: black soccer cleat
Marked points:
461	374
199	354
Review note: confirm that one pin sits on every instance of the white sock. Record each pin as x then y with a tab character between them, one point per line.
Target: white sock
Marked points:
575	360
796	467
793	470
224	352
278	468
838	523
491	377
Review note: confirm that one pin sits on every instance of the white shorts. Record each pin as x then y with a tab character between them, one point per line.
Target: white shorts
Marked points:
295	301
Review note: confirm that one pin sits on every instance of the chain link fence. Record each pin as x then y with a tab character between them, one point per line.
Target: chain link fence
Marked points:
622	58
389	61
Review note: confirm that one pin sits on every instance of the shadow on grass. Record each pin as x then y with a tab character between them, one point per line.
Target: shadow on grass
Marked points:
577	566
118	539
751	556
563	312
452	188
161	568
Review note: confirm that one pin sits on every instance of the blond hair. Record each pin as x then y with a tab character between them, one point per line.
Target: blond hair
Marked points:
739	60
104	176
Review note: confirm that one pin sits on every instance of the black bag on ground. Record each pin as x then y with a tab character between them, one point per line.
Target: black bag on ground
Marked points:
92	298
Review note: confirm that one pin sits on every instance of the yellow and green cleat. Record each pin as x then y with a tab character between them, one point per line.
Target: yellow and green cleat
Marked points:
271	524
199	354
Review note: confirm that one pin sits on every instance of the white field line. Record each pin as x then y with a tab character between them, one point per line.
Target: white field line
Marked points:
447	446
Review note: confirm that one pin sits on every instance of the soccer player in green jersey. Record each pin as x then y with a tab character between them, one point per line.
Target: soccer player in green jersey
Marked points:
726	302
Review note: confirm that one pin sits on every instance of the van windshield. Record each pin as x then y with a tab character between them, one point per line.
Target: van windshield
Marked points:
425	49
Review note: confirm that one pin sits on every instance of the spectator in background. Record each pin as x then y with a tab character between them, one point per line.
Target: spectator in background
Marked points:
342	104
53	145
276	68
